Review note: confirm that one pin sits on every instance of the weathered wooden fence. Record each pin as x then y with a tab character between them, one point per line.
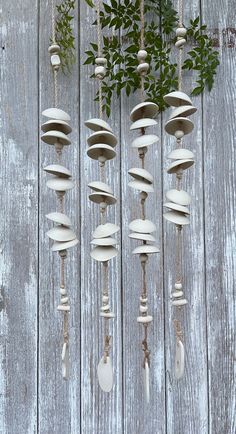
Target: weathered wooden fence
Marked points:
33	398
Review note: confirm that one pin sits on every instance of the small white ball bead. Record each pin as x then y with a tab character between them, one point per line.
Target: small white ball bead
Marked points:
178	286
101	61
142	54
179	134
180	43
143	68
181	32
54	49
100	71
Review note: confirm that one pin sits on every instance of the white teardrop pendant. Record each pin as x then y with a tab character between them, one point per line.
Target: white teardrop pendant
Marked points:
105	374
146	382
179	360
65	361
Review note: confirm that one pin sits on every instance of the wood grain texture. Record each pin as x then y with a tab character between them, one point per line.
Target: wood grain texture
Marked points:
33	397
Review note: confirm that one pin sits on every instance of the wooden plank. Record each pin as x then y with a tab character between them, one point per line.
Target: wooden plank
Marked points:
100	413
19	219
187	401
220	200
59	400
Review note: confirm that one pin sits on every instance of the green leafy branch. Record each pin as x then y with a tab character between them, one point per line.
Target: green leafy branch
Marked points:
64	33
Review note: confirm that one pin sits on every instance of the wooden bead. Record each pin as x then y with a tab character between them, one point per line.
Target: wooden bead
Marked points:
143	68
144	319
142	54
107	315
100	71
181	302
178	286
63	307
55	61
177	294
143	309
54	49
180	43
181	32
101	61
64	300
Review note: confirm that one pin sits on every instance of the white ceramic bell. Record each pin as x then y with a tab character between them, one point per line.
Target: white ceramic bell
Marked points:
53	136
183	111
180	154
100	186
55	124
146	249
99	197
103	253
105	374
176	207
179	124
142	226
141	174
180	197
58	246
144	110
59	218
105	230
97	124
61	233
144	141
179	360
141	186
105	137
143	123
96	151
58	170
60	184
180	165
143	237
56	113
177	98
108	241
177	218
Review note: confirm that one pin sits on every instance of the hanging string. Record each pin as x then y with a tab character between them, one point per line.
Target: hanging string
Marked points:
180	55
142	44
99	44
54	42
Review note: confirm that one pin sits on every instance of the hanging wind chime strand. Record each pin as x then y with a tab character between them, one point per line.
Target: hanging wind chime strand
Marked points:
142	229
178	200
101	148
56	130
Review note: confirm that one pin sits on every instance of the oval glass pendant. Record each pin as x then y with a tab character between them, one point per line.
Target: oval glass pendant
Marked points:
105	374
179	360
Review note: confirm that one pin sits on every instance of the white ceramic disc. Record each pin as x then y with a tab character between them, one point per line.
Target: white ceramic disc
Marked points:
141	174
58	246
60	184
144	140
179	124
145	248
143	123
177	218
180	164
55	124
141	186
96	151
100	186
176	207
105	374
97	125
180	197
56	113
142	226
105	230
57	170
108	241
146	382
61	233
51	137
99	197
179	360
180	154
103	253
146	109
143	237
59	218
177	99
182	111
105	137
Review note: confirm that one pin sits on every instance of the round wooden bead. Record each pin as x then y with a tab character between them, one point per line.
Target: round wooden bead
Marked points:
100	71
180	32
178	286
142	54
143	68
180	43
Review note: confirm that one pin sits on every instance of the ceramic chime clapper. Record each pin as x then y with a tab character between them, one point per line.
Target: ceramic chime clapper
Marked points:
179	360
146	381
105	374
65	361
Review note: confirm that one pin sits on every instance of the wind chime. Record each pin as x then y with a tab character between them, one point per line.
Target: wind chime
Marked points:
55	132
142	229
101	143
178	200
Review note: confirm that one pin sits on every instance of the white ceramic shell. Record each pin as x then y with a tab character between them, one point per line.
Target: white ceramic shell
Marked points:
61	233
180	197
179	360
146	249
96	151
176	207
99	197
97	124
143	237
141	186
141	174
179	124
142	226
58	246
51	137
182	111
100	186
105	230
56	124
144	140
177	218
58	170
180	164
143	123
103	253
56	113
108	241
105	374
59	218
180	154
60	184
105	137
143	110
177	98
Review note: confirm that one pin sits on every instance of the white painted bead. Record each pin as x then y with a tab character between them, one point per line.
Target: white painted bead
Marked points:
178	286
143	309
64	300
143	68
179	360
101	61
146	382
63	291
142	54
105	308
107	315
143	300
105	298
179	134
62	307
180	43
65	361
144	319
55	61
105	374
181	302
100	71
54	48
177	294
180	32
